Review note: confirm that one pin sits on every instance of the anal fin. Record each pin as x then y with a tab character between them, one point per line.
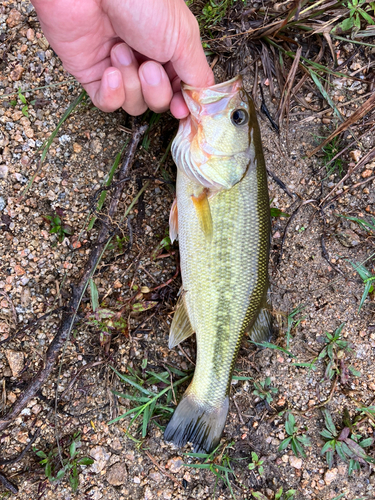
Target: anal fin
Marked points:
173	221
262	329
203	211
181	327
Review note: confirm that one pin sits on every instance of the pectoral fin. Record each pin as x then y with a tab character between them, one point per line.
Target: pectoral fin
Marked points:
203	211
181	327
173	221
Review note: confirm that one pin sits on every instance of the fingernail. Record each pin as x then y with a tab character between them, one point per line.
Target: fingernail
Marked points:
152	73
114	79
123	54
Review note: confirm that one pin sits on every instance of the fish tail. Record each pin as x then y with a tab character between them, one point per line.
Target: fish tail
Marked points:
198	423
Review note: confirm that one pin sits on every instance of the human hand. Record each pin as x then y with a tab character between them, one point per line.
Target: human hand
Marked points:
126	53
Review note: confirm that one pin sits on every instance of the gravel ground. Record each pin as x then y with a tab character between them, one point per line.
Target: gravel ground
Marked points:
37	270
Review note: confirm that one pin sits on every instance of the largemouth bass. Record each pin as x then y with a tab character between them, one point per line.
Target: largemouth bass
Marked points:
222	218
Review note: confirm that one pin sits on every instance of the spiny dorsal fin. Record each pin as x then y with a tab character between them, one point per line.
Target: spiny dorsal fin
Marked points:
181	327
203	211
173	221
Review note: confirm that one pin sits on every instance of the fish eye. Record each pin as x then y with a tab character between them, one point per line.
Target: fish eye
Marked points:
239	117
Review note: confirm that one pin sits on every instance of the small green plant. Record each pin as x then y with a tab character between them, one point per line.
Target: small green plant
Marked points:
333	353
256	463
55	470
334	350
165	244
264	390
151	392
358	10
295	440
293	322
330	151
368	280
288	495
276	212
23	100
57	226
218	463
348	445
363	224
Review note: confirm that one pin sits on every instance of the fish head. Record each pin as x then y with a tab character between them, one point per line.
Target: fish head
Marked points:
213	146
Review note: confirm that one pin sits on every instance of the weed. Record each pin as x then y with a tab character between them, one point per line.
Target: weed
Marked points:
288	495
53	468
363	224
368	279
256	463
358	10
107	183
153	119
296	440
333	353
264	390
165	244
330	151
57	226
334	350
218	464
348	445
147	395
293	322
276	212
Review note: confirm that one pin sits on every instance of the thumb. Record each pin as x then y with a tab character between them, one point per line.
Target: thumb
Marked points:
189	60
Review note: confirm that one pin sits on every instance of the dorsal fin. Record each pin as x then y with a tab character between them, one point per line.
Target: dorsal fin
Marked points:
181	327
203	211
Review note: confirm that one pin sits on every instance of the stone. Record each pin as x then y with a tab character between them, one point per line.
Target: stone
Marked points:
174	464
148	494
348	238
330	476
295	462
3	203
19	270
3	171
77	148
101	458
366	173
117	474
16	74
96	146
14	18
30	34
355	155
16	361
155	476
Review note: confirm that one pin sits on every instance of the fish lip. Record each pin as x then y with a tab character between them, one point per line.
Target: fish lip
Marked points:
217	86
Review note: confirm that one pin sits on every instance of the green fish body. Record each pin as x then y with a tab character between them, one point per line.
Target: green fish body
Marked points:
222	219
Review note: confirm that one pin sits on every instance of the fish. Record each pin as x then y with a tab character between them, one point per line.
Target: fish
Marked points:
221	217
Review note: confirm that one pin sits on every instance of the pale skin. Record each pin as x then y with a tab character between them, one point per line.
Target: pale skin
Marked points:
128	53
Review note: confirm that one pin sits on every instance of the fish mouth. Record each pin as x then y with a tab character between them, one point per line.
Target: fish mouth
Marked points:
224	86
210	100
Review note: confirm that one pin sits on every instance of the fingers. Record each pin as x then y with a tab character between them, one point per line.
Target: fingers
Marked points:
156	87
108	93
123	59
125	84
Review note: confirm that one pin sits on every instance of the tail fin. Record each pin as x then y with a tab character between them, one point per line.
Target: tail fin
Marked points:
197	423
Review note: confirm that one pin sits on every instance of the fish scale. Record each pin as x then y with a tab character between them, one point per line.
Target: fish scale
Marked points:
224	275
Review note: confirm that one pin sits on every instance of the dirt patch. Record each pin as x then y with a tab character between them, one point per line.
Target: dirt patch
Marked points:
37	270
